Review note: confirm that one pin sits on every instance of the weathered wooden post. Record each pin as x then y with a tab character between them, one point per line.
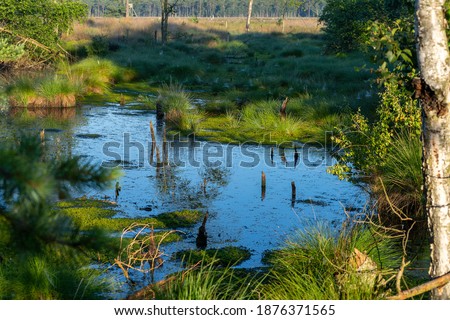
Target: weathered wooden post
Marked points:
282	154
283	109
294	193
263	185
165	148
202	237
271	155
204	186
296	156
159	111
118	189
152	133
158	158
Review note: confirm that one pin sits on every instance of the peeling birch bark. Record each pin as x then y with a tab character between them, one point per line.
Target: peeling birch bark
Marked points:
434	63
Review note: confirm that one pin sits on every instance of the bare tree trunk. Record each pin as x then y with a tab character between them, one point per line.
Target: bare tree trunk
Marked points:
434	92
127	9
164	20
249	15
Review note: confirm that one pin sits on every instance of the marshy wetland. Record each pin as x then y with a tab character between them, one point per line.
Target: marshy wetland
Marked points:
223	156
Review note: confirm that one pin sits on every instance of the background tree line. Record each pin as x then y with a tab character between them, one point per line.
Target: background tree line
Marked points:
209	8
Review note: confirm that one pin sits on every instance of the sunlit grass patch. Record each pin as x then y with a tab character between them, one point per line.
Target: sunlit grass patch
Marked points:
89	214
47	91
226	257
207	282
319	264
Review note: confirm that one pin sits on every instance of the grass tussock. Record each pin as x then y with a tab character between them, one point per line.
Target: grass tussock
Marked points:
318	265
206	282
63	88
401	177
53	91
176	104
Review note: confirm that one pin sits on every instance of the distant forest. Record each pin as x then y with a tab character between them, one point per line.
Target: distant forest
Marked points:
208	8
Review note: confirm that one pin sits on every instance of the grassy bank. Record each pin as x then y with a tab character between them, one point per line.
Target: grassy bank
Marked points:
213	78
225	78
359	262
64	86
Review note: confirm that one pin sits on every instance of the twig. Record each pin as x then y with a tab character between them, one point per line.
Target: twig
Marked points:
428	286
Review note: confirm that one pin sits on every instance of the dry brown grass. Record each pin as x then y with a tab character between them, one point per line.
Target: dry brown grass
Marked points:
121	28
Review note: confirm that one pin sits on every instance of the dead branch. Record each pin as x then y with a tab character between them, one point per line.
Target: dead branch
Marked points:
428	286
25	40
143	253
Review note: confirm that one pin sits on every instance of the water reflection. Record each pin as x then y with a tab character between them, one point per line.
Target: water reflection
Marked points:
55	113
228	181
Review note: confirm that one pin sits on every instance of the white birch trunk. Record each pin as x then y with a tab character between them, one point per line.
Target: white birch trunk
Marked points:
434	63
249	15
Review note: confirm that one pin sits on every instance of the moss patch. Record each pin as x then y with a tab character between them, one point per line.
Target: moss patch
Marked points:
221	129
227	256
89	214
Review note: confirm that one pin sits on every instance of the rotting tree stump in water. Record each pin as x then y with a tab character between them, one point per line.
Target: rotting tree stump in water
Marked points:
294	194
159	111
152	132
263	185
202	236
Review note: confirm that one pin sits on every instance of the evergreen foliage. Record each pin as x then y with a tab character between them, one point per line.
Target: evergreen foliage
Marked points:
35	240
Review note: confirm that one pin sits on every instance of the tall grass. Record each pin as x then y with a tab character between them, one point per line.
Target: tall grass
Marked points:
319	264
46	91
70	82
97	75
401	175
209	283
265	116
178	109
42	277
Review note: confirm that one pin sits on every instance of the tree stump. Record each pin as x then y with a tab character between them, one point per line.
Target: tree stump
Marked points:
283	109
202	236
159	111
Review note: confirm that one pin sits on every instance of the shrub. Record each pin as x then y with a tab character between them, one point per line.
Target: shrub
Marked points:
41	23
10	52
346	21
365	146
98	47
